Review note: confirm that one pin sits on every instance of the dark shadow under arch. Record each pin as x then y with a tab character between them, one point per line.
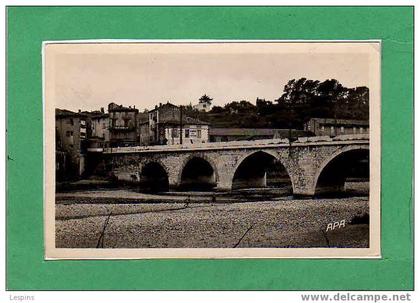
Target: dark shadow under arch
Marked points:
153	178
261	169
198	175
348	173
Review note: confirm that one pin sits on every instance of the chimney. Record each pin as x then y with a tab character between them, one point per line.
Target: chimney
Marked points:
80	111
160	104
102	110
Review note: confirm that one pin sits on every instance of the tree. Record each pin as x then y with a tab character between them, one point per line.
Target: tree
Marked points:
305	99
217	109
205	99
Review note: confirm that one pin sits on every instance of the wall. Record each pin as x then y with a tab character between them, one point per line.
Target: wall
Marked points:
144	135
100	127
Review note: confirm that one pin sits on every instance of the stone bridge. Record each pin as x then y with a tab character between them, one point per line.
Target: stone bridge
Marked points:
312	165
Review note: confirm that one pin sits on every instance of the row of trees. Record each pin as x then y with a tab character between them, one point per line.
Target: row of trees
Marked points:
301	100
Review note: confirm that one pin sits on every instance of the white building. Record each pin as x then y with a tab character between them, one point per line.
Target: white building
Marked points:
193	132
204	104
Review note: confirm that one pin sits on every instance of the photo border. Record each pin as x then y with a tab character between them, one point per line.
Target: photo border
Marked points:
372	48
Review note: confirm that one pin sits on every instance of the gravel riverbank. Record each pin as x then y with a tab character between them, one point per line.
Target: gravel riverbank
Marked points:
152	221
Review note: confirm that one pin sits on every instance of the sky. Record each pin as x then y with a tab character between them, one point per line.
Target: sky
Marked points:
90	77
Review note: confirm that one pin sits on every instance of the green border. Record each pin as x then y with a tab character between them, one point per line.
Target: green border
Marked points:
29	26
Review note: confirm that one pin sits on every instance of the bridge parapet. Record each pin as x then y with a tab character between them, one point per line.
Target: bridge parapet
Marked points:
351	137
198	146
267	143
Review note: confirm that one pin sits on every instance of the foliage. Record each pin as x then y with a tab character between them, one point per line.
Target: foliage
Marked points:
301	100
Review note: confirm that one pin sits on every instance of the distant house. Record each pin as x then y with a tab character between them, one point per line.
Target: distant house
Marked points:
204	104
166	125
239	134
335	127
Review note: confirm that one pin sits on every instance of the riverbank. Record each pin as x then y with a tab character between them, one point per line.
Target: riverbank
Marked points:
152	221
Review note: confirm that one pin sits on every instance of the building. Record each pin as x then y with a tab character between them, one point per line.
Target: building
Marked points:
239	134
71	143
193	131
204	104
164	126
82	136
122	125
335	127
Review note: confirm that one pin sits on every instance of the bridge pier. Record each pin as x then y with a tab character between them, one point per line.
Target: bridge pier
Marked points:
303	192
224	183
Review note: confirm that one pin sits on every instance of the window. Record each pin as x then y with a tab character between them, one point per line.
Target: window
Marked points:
82	122
354	130
187	133
361	130
342	129
69	133
174	132
322	128
198	133
103	125
71	121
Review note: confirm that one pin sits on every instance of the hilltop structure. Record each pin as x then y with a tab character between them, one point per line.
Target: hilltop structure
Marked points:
204	104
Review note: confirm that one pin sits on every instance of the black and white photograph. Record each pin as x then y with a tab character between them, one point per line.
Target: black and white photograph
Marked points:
207	149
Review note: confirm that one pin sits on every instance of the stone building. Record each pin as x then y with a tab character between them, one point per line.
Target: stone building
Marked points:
122	125
166	125
71	143
335	127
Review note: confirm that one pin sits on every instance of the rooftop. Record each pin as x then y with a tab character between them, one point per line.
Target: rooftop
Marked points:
340	121
113	107
186	121
163	105
250	132
62	113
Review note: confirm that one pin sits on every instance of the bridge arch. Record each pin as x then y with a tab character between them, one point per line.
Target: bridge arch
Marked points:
334	170
154	177
261	169
198	172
